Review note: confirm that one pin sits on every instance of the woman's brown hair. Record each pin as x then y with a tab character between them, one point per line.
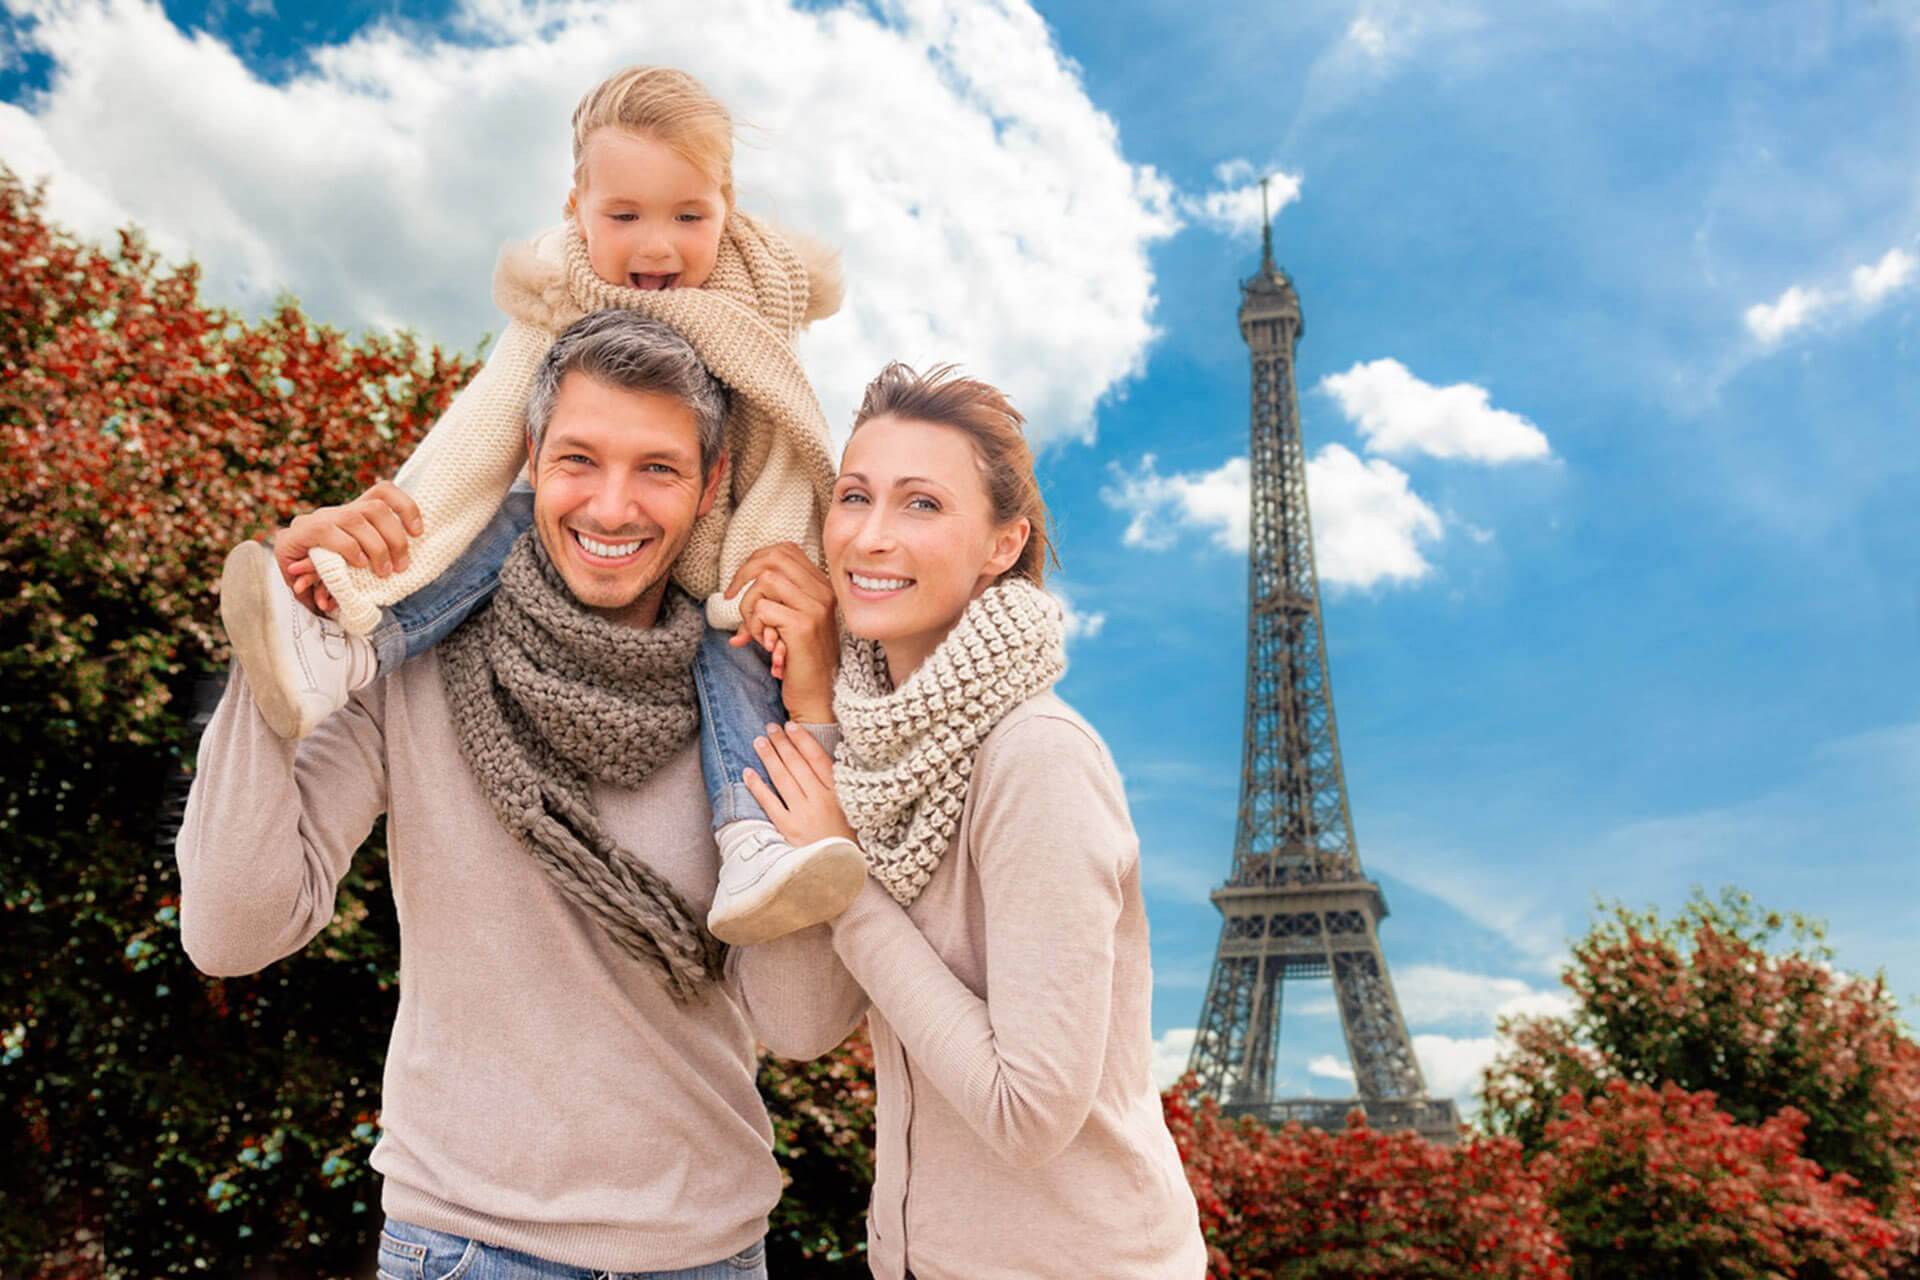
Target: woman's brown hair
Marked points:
983	414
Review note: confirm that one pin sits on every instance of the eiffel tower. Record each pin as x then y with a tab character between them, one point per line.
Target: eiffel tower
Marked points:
1297	904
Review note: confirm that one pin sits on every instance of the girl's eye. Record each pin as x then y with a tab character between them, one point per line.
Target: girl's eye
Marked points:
625	217
692	217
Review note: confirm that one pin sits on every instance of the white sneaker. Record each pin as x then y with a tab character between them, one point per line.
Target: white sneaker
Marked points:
300	666
768	888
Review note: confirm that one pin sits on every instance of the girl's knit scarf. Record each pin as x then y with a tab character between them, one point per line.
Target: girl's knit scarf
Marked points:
906	755
549	698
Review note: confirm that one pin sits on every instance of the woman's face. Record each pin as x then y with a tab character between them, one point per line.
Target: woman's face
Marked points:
910	537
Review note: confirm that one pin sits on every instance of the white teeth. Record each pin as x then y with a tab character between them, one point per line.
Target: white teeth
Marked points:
608	549
879	584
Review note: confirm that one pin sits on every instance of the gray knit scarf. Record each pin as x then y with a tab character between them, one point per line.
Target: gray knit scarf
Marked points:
549	698
906	755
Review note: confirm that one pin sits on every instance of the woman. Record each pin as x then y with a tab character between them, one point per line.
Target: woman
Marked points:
1001	936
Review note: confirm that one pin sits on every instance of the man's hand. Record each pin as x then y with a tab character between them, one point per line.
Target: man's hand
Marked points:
371	531
801	803
788	607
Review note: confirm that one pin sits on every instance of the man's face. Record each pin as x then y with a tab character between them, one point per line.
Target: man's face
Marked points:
617	487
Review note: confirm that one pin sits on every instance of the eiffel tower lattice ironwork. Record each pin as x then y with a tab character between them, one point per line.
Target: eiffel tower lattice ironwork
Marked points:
1297	904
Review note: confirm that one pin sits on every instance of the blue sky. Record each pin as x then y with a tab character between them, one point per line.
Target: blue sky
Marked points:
1614	482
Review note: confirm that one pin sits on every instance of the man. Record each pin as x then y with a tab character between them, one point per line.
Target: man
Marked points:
570	1082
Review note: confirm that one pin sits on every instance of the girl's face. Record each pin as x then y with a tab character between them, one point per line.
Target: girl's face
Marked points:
911	538
651	219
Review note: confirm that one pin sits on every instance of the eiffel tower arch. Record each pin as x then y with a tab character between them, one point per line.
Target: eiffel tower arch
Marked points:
1296	903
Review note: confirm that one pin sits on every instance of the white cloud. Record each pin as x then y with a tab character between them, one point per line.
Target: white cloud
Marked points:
1452	1065
1080	623
1327	1067
1170	1052
1874	281
1773	321
1217	501
1867	286
1396	413
1431	993
1232	207
1368	524
1367	35
983	204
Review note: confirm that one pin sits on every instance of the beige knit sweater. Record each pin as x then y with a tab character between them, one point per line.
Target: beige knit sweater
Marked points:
766	286
1019	1133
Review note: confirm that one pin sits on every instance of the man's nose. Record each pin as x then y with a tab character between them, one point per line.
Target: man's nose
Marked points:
613	506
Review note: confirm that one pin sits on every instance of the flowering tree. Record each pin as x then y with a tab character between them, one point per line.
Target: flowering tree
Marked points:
1702	1019
1299	1202
823	1134
1652	1183
155	1122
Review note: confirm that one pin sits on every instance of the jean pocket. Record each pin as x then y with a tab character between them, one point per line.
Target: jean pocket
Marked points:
408	1252
752	1259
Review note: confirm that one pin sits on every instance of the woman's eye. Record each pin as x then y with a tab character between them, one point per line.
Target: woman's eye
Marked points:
922	504
852	496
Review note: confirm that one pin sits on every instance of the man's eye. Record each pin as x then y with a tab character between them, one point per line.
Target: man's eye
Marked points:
581	458
662	469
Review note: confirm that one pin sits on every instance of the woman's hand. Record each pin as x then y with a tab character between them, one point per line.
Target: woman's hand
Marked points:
805	808
371	531
788	607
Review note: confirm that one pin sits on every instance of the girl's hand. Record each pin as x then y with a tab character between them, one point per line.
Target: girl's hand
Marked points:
788	607
372	531
800	803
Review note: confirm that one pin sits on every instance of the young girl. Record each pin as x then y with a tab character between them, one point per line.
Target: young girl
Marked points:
1002	938
651	227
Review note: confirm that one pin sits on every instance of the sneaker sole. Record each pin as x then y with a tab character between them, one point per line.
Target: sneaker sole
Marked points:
820	888
248	614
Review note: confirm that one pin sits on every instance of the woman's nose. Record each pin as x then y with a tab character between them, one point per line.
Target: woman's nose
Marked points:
876	532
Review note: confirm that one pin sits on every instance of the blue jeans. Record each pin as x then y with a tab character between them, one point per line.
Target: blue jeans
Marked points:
739	697
408	1252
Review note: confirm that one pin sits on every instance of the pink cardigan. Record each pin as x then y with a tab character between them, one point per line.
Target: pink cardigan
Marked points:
1020	1133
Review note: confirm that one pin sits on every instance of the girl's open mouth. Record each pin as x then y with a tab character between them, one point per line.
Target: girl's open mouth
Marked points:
651	283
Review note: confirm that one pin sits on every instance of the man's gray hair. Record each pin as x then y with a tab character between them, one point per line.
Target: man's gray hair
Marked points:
635	353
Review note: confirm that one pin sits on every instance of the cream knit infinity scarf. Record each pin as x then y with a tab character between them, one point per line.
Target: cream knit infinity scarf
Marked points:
549	698
906	755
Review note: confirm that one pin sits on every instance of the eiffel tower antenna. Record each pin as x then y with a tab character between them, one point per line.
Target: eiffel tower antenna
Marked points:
1296	903
1266	230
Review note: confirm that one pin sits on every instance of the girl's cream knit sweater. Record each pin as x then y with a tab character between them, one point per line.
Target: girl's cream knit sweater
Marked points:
766	286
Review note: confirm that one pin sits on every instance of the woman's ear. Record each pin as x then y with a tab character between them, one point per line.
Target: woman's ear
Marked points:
1008	543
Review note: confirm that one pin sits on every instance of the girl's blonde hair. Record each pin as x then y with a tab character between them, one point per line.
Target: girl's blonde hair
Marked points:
664	104
983	414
